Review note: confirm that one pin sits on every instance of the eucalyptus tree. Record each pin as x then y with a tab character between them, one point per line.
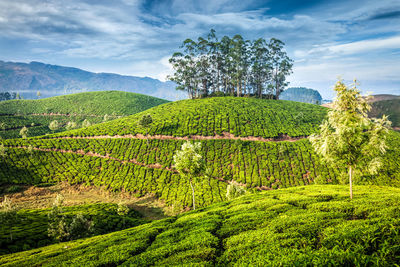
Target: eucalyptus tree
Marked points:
281	64
261	69
348	138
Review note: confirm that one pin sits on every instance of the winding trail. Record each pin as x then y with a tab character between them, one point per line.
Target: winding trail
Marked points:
224	136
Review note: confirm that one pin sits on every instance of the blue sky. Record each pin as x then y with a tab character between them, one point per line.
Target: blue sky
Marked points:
327	39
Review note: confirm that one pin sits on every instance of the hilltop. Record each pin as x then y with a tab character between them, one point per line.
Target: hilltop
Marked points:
93	106
218	116
302	94
258	143
315	225
52	80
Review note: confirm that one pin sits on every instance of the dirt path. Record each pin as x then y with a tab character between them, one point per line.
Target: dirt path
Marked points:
224	136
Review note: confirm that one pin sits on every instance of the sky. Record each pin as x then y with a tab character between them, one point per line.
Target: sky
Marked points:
348	39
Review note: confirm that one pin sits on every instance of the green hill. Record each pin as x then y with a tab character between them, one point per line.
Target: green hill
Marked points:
15	114
260	160
315	225
216	116
390	108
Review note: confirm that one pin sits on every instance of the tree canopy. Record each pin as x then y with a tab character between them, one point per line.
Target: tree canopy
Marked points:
231	66
348	137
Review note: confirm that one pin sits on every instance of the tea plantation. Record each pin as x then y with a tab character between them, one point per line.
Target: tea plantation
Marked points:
146	166
304	226
216	116
29	229
93	106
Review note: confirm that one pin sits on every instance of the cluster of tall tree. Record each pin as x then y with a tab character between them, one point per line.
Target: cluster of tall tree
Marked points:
231	66
9	96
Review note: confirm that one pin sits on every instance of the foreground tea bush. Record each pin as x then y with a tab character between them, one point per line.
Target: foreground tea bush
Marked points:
313	225
30	227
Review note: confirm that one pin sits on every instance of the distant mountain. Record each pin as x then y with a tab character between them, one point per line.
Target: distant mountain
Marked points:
302	94
53	80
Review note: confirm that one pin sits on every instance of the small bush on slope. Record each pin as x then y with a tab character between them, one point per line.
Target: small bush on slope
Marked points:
314	225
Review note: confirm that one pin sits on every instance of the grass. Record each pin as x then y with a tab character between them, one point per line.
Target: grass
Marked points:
313	225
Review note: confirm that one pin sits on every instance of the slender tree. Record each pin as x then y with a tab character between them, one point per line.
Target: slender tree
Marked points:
190	164
281	65
24	132
348	137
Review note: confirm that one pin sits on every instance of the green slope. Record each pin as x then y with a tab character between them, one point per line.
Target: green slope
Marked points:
315	225
15	114
211	116
146	166
390	108
29	230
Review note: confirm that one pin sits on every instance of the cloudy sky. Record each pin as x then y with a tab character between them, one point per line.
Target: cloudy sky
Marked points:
327	39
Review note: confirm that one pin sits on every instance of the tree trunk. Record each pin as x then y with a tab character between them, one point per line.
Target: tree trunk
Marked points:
194	205
351	181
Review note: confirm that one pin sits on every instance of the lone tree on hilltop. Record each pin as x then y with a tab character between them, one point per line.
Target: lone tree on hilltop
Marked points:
190	164
348	137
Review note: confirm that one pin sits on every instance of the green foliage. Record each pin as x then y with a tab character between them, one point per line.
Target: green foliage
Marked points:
54	125
24	132
8	215
86	123
348	137
30	229
234	190
141	168
93	106
190	164
238	116
3	150
231	66
145	121
313	225
71	125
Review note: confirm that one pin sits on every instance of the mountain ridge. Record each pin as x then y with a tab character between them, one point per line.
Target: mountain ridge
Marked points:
53	80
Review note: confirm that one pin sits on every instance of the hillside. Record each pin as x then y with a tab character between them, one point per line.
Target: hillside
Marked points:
269	151
302	94
315	225
218	116
15	114
390	108
52	80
